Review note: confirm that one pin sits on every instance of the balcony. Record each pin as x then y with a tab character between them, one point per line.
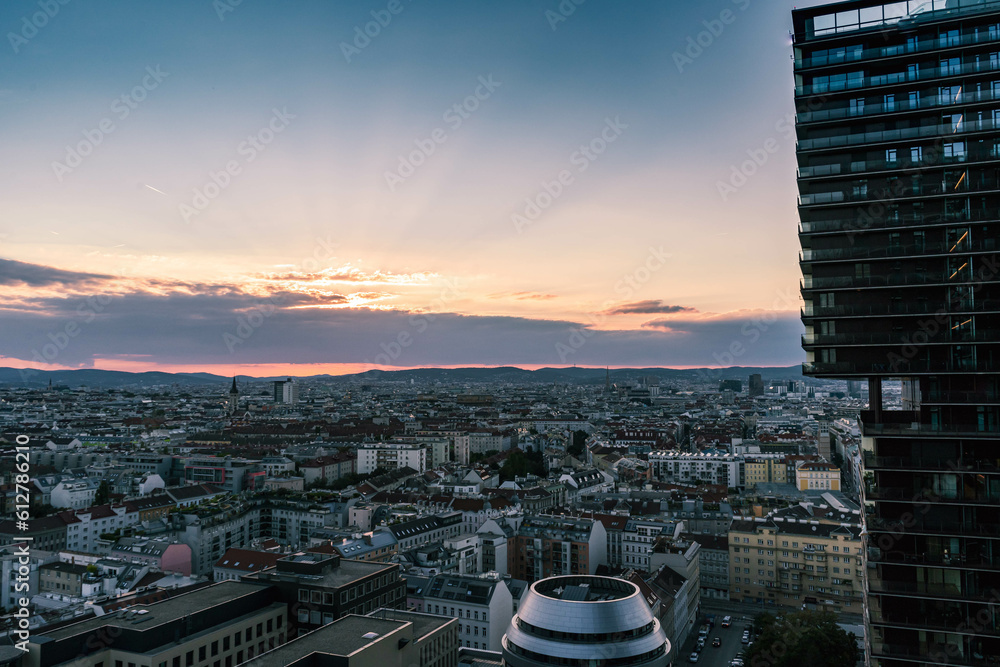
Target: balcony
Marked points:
947	337
873	462
963	186
898	106
937	560
922	497
925	132
846	225
891	422
924	74
897	307
896	251
858	55
924	527
896	279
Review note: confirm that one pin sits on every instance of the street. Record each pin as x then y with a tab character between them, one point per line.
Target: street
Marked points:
717	657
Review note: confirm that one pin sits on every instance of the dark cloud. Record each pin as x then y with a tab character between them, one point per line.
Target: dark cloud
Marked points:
239	328
14	273
650	307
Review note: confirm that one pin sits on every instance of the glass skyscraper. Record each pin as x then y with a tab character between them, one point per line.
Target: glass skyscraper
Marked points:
899	180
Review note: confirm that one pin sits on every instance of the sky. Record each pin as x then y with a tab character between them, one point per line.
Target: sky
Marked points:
262	188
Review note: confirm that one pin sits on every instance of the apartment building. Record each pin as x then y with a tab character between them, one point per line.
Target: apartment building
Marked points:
800	556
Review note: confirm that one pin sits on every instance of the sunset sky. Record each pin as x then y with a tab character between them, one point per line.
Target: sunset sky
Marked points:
259	187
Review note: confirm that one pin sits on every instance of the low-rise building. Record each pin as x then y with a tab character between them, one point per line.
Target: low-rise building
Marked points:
483	605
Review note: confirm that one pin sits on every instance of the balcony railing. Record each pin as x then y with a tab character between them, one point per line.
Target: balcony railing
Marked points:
924	74
928	102
867	166
850	225
925	132
964	186
900	307
947	337
899	368
863	251
899	279
922	46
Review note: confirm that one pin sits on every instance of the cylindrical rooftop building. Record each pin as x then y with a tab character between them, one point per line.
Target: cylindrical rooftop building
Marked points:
582	620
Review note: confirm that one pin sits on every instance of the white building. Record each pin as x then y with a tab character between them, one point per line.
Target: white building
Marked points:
685	468
75	494
482	604
391	456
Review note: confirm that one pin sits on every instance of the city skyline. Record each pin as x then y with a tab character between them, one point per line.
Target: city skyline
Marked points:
253	190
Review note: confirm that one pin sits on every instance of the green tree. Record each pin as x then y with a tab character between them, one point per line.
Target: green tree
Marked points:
520	464
579	444
802	638
103	494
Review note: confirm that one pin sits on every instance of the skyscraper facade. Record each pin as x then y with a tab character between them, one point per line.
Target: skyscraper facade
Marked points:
898	109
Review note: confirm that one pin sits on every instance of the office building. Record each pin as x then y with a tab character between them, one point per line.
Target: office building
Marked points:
898	109
320	588
585	621
227	623
285	391
386	638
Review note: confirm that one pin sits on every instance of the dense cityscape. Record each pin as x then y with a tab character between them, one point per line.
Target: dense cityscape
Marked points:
406	494
331	486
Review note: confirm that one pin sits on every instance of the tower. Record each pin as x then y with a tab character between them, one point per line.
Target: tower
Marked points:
899	212
234	399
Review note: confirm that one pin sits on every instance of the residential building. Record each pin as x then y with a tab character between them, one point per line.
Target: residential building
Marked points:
817	476
391	456
897	147
547	546
162	553
236	563
799	557
482	604
685	468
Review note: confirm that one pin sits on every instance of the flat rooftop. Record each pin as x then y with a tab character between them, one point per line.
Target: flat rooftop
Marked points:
341	575
145	616
585	589
340	638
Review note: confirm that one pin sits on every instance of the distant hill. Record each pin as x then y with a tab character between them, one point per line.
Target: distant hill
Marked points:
109	379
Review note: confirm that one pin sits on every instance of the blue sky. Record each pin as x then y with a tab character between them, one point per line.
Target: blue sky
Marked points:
499	167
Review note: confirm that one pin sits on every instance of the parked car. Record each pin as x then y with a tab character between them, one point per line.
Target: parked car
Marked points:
727	621
694	657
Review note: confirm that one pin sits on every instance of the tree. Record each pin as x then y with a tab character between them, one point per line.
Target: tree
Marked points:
579	444
802	638
521	464
103	494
